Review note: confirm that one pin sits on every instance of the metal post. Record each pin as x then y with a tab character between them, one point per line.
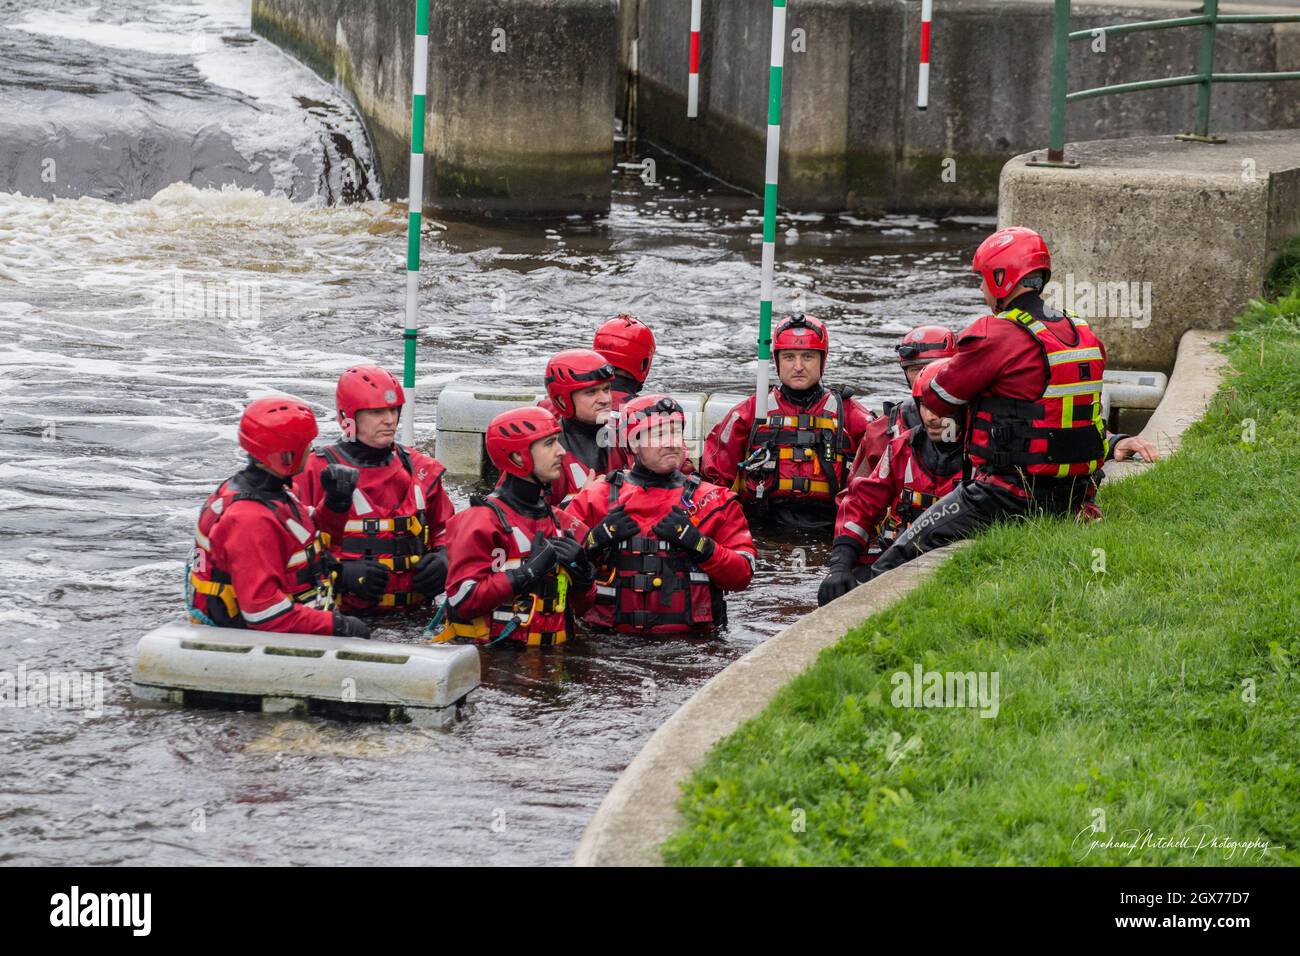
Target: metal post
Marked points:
1060	76
1208	33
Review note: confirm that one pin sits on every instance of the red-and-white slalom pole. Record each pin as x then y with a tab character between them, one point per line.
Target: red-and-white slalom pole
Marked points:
693	77
923	80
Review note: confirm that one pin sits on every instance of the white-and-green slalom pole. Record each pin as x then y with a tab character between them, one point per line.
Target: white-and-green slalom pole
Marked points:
769	210
419	81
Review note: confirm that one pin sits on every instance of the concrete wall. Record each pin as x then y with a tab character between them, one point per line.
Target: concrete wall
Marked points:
1190	228
851	134
527	130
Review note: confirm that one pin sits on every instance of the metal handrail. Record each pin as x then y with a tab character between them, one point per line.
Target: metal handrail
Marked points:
1209	21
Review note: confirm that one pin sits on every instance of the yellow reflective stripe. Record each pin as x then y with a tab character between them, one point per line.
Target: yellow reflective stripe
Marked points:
1081	388
1067	421
1073	355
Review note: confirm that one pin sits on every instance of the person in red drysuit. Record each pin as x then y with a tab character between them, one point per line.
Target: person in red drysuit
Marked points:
917	468
1028	380
920	347
258	560
790	465
666	545
517	571
391	553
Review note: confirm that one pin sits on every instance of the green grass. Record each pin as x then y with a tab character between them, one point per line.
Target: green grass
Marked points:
1120	691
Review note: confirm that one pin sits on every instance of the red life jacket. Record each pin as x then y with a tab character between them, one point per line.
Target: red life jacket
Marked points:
540	617
921	488
1059	435
806	451
397	540
210	594
652	586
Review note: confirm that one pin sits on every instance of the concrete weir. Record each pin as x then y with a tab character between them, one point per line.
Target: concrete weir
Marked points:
1152	236
520	96
852	137
640	812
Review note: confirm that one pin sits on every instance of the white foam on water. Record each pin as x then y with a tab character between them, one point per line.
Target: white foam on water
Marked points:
279	129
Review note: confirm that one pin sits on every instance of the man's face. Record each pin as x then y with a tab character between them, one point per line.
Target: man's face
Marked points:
799	368
660	447
938	428
912	371
548	457
591	405
377	427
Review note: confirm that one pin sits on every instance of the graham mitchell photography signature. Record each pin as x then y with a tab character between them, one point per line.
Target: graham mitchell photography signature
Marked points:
1135	840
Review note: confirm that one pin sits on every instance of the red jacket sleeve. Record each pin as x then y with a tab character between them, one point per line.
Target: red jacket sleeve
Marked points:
438	506
473	587
307	489
875	438
581	600
727	445
589	505
731	566
980	359
858	419
256	549
867	499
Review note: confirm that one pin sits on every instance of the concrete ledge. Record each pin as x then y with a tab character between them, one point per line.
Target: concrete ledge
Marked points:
1151	236
1196	378
640	812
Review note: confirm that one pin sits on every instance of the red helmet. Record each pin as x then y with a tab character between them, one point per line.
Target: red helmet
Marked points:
925	344
1007	256
627	344
571	371
802	331
515	431
277	432
365	386
646	410
924	379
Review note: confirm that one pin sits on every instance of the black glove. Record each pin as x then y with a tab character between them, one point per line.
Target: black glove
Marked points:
431	573
541	562
339	481
840	580
676	526
574	560
345	626
616	526
363	578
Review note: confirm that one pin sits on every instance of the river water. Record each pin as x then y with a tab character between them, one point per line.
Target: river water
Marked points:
208	232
